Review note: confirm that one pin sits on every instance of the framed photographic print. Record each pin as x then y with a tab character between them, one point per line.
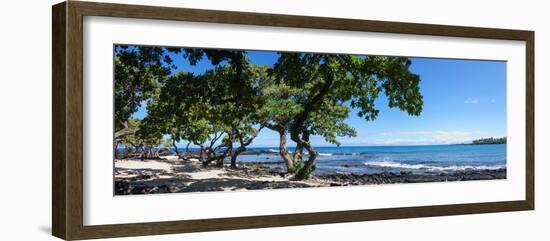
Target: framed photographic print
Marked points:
170	120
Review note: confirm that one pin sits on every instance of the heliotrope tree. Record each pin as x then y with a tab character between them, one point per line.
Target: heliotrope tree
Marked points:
144	141
312	94
212	110
224	108
138	73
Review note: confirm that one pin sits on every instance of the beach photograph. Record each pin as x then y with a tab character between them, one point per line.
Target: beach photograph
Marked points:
190	119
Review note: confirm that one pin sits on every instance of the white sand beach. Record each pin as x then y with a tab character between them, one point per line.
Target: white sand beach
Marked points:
171	175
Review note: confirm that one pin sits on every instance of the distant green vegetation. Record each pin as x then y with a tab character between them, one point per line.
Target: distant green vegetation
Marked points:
491	140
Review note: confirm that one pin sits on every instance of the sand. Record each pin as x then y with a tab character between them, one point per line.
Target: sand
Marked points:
200	174
138	164
172	175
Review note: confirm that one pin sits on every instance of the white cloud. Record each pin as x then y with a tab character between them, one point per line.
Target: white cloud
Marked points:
387	138
473	101
415	138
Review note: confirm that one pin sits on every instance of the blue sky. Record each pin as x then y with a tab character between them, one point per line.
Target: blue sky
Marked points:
463	100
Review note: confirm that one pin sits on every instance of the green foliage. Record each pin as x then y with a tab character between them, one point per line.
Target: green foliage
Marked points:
138	72
303	94
143	140
329	122
211	110
132	140
177	110
491	140
316	88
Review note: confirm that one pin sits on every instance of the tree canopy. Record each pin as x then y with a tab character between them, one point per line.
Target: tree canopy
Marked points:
316	93
223	109
139	71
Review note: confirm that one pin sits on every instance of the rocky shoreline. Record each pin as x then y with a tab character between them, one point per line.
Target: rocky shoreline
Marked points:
176	176
408	177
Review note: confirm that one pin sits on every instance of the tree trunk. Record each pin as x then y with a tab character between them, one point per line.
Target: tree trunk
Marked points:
201	153
284	152
309	166
218	159
236	153
125	131
312	154
226	153
311	106
298	153
187	147
175	148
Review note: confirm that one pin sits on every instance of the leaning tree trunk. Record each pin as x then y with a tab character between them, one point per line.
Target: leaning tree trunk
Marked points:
125	131
308	167
175	148
187	147
221	158
236	153
290	168
283	151
298	154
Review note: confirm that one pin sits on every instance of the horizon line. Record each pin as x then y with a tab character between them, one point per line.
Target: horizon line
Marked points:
381	145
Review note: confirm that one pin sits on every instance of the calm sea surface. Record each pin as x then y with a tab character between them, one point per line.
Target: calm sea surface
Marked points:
416	159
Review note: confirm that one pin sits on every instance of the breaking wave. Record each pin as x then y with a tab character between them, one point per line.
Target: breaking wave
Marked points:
390	164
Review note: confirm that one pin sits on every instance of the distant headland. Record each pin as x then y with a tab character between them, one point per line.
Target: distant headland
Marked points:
491	140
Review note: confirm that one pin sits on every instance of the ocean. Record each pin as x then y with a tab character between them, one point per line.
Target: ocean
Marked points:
376	159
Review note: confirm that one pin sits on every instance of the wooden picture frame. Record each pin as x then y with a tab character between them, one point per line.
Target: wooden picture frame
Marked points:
67	123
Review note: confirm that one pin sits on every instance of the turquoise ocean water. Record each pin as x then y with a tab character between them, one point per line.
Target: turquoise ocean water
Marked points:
376	159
